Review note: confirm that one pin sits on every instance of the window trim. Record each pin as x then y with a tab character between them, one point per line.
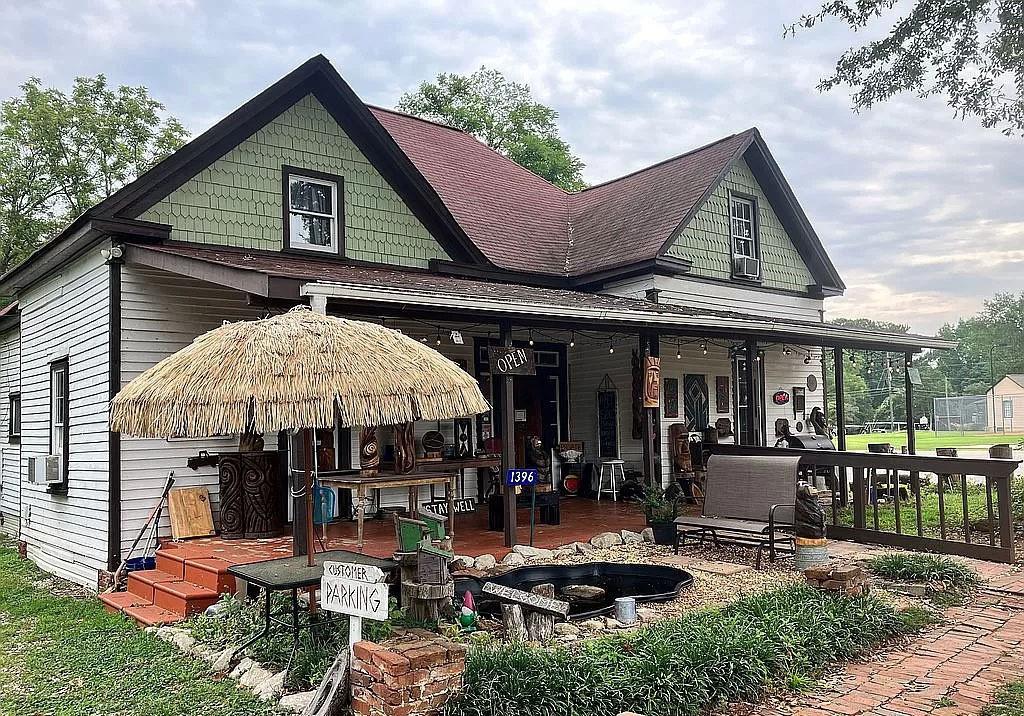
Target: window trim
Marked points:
287	174
12	400
62	363
755	225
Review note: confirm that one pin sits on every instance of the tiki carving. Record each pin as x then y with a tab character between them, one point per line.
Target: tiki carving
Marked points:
405	448
652	382
258	486
232	498
463	437
369	451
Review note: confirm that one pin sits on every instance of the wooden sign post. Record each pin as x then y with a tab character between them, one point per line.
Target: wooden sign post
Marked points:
357	590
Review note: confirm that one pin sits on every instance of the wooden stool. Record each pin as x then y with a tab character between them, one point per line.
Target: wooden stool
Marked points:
610	465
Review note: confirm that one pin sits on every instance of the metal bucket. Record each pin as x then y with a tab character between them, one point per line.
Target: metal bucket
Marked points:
806	556
625	610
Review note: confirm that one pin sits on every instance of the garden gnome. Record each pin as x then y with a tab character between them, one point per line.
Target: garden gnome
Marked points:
467	615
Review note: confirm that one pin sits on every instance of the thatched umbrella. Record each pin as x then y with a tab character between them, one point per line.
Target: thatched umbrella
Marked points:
297	370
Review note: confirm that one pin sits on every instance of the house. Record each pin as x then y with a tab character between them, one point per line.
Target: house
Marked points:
1004	404
305	194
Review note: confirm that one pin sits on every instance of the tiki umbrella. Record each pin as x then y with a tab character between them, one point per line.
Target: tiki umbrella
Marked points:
297	370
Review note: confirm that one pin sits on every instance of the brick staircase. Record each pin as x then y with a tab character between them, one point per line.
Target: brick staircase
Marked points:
188	578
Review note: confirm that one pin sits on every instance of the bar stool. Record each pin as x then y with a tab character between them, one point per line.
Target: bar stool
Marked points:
610	465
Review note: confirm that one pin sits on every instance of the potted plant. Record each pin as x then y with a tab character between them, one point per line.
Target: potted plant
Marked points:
661	513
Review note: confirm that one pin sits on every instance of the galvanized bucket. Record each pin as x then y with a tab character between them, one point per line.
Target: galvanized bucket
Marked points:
809	553
625	610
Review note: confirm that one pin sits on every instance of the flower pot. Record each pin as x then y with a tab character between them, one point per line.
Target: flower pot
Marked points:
664	532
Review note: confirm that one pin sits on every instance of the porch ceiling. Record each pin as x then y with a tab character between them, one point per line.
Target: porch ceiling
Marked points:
408	292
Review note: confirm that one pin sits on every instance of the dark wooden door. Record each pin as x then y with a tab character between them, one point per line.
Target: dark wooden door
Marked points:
695	402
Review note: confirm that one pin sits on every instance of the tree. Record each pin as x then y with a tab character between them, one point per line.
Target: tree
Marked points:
966	50
61	154
503	115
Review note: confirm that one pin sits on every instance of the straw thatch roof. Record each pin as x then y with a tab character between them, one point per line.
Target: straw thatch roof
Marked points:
296	370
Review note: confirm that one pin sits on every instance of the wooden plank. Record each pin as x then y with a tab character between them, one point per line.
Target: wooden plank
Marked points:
189	508
535	602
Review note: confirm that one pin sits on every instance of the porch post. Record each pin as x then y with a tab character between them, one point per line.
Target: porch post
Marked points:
837	364
650	345
754	388
508	431
911	428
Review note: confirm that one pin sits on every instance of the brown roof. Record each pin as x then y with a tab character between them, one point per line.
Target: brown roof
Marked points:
522	222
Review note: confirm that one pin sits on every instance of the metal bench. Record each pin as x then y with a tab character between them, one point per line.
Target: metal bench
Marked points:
747	500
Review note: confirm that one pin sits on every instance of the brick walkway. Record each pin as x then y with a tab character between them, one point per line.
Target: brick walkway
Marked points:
952	669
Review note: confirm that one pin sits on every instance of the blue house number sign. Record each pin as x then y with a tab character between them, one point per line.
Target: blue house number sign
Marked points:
516	476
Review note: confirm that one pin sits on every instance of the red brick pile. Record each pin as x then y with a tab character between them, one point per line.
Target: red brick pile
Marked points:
850	580
413	674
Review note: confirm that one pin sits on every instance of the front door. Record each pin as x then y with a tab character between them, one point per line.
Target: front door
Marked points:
695	402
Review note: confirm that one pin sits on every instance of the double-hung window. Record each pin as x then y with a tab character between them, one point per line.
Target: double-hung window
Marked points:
14	417
312	216
59	429
743	229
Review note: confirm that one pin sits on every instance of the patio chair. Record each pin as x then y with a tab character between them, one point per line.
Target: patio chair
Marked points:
747	500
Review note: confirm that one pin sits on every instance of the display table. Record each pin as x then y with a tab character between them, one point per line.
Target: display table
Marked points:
459	465
360	484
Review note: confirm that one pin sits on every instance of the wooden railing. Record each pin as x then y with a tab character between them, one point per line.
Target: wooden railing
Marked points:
950	505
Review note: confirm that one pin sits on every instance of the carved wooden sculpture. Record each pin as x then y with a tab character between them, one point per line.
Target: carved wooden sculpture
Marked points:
541	457
652	382
369	451
405	448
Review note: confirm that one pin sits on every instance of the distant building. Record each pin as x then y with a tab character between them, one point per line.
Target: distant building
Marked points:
1004	404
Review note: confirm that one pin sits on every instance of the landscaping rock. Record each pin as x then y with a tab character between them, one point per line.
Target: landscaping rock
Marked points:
566	629
646	613
910	589
583	547
270	689
167	633
630	537
462	562
533	552
222	660
565	553
606	540
583	591
485	562
612	623
184	641
255	676
513	559
296	703
243	666
648	535
592	625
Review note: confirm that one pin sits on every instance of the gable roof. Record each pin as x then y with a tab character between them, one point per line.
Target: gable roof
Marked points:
484	209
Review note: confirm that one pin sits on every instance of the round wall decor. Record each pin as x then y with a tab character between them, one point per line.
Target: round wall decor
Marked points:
812	382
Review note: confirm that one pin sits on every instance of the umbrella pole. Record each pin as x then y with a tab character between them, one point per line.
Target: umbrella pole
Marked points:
307	446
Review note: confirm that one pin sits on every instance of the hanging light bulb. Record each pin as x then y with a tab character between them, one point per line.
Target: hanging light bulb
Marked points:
704	347
531	336
611	347
679	351
807	359
572	340
437	340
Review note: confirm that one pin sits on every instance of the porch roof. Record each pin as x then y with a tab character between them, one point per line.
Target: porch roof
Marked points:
373	290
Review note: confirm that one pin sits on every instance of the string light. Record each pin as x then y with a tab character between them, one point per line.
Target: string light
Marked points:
572	340
438	339
704	347
807	359
611	347
531	336
679	351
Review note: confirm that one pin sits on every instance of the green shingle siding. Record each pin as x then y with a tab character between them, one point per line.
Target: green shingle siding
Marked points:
706	239
236	201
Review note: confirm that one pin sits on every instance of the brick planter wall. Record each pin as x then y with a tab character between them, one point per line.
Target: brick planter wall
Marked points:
850	580
413	674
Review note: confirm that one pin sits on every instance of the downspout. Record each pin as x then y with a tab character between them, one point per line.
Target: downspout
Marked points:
114	263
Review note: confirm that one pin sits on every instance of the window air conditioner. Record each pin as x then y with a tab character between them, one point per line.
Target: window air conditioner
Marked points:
45	469
745	266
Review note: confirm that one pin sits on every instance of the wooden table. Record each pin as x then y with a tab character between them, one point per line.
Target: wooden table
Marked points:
459	465
413	481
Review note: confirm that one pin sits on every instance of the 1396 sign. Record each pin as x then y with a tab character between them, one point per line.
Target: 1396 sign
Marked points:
516	476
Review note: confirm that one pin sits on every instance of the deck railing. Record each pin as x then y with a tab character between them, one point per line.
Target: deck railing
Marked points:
951	505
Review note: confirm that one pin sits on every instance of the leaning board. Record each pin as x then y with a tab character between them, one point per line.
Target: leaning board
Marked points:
190	512
528	600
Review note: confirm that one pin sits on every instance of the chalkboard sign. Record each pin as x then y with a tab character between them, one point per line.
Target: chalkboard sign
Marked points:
607	424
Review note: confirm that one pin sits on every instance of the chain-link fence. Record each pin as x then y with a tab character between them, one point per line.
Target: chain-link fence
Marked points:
961	413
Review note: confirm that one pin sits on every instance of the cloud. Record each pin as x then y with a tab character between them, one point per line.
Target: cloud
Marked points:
921	213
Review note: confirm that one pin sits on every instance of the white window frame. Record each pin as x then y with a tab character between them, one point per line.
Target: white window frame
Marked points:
294	240
751	221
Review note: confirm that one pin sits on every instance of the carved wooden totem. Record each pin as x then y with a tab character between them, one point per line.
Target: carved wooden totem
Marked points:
369	451
405	448
652	382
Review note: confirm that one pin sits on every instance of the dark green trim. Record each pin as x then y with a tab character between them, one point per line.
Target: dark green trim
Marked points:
113	438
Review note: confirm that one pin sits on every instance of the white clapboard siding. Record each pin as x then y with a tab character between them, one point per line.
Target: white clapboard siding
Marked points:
161	313
10	450
66	315
718	296
783	372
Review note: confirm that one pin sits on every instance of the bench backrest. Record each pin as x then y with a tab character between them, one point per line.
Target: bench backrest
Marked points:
745	487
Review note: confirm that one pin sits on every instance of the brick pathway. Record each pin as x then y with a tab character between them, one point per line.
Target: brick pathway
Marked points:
952	669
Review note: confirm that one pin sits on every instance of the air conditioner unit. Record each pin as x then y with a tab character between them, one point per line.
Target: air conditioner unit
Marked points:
45	469
746	267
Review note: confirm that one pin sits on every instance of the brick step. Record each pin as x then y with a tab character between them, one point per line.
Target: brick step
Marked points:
142	582
117	602
184	598
210	572
171	561
152	615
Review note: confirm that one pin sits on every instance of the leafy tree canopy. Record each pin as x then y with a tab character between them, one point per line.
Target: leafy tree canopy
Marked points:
969	51
503	115
61	153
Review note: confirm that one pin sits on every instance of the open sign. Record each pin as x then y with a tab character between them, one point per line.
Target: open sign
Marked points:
780	397
512	360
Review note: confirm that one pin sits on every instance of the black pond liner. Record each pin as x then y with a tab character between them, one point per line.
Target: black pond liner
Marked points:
644	582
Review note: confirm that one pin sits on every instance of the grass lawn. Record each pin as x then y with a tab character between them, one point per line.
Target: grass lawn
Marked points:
62	654
929	440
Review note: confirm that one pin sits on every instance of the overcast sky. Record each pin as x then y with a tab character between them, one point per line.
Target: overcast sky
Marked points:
921	213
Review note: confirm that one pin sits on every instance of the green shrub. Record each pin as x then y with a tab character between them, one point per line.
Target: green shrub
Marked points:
680	666
1008	700
915	567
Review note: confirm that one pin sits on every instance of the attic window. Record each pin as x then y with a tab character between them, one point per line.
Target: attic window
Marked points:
312	217
743	223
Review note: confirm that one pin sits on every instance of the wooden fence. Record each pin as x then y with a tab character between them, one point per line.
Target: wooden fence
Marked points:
949	505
